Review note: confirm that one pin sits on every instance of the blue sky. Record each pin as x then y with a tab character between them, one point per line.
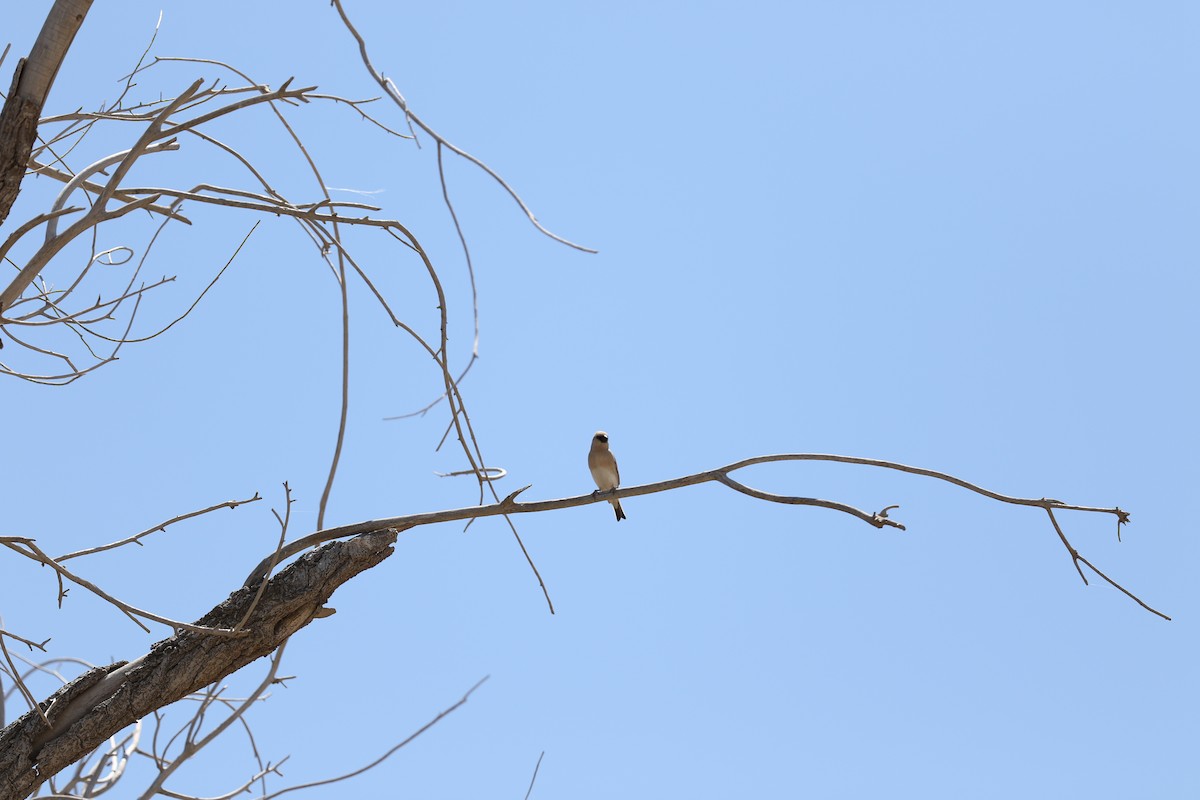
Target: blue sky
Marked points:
960	236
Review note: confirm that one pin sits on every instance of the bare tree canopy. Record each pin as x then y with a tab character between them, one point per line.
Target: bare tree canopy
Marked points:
309	322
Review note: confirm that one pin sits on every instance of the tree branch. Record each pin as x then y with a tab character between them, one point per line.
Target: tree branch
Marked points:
31	84
878	519
100	703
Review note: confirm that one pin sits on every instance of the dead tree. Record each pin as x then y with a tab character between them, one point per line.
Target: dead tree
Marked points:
54	333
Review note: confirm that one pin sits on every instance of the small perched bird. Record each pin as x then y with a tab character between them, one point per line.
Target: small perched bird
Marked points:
604	469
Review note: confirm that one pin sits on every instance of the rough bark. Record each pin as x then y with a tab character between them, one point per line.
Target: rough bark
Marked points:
86	712
31	84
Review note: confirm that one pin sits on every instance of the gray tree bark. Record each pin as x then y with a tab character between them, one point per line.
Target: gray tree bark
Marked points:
86	712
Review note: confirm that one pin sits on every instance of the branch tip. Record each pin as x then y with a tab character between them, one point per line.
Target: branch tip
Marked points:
511	499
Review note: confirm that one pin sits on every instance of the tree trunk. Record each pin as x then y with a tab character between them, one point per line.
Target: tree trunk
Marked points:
31	84
87	711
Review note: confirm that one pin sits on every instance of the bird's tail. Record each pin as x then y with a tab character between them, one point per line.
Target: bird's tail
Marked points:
616	504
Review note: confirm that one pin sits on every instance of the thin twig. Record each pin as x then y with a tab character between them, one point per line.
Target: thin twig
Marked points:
1076	558
21	687
532	780
195	302
344	407
37	554
194	744
398	98
283	529
32	645
446	712
162	526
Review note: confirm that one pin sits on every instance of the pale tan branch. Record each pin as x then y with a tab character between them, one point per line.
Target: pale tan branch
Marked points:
75	316
284	93
32	645
153	132
445	712
1076	559
50	249
873	519
309	96
15	674
1122	516
194	745
420	412
285	209
162	526
148	111
134	340
344	406
35	553
61	379
267	769
283	529
394	93
92	186
98	166
16	235
487	473
509	505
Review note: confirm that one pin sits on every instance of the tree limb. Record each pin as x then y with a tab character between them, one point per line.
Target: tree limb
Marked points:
100	703
878	519
31	84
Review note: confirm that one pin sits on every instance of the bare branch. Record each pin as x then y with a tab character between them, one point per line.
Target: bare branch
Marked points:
31	84
102	702
509	505
487	473
283	529
50	249
533	780
162	526
127	340
15	674
16	235
32	645
194	745
92	169
344	407
446	712
394	93
1076	559
277	208
32	551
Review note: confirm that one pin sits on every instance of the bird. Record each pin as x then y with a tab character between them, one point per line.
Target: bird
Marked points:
604	469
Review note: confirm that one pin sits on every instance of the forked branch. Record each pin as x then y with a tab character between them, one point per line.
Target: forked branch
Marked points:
878	519
85	713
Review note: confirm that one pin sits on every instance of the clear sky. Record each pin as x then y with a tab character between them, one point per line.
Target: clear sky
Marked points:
955	235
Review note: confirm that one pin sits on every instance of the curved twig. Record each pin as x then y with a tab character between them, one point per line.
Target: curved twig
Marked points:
194	744
35	553
446	712
399	100
98	166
